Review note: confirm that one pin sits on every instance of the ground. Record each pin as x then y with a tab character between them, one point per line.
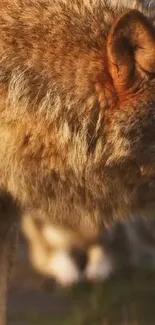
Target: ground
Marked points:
127	298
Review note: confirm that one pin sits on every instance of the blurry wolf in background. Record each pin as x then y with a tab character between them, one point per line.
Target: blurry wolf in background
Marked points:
60	254
77	116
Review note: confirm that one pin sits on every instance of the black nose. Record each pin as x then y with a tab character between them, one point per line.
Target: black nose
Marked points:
80	257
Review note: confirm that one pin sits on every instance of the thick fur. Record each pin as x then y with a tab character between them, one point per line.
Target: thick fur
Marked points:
77	110
69	145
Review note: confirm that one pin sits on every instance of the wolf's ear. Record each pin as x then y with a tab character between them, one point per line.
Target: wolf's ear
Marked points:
131	46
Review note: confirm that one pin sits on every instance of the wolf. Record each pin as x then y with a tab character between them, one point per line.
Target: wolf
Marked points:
77	116
60	254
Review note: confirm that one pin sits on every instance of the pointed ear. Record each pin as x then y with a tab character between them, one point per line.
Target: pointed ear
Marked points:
131	47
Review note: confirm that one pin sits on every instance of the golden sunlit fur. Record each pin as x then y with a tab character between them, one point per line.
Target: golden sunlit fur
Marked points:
77	102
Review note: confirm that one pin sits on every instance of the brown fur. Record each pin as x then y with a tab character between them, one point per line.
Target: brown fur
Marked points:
77	101
62	121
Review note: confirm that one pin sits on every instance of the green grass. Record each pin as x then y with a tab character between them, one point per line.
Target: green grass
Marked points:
124	299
